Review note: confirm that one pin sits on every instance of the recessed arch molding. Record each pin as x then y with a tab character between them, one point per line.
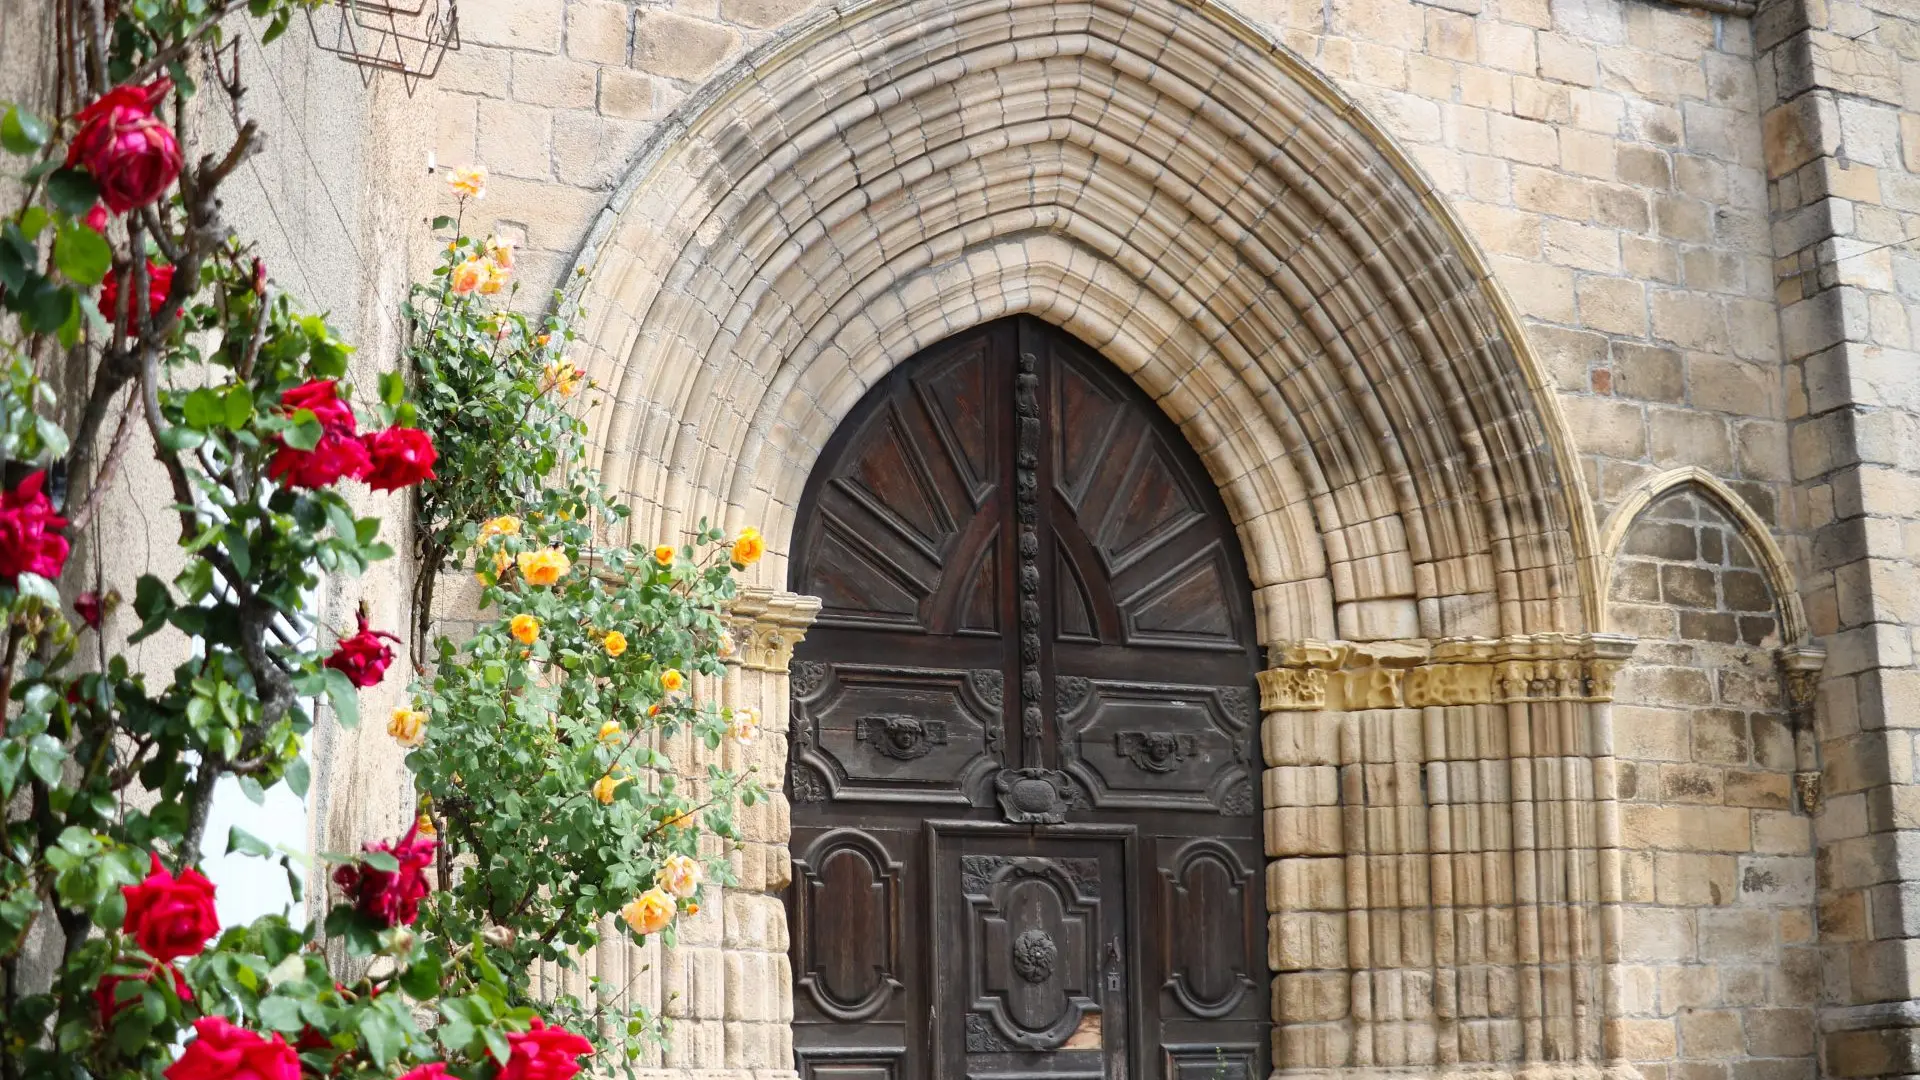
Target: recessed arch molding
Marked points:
1179	192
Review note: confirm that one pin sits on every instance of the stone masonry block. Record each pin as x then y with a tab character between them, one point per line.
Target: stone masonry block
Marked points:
678	47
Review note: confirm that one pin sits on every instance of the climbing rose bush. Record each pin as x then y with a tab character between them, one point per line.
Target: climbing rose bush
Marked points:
280	473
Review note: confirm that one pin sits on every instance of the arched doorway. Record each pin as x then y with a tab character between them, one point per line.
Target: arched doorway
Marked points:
1025	743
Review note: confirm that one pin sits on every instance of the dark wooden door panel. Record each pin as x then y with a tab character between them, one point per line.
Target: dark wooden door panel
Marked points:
1024	755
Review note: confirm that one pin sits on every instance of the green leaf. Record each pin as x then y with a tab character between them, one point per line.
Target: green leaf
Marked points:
252	790
344	697
82	254
179	438
239	406
305	432
443	222
298	776
382	861
72	192
239	839
281	1013
205	408
21	132
47	305
235	541
33	219
44	755
13	758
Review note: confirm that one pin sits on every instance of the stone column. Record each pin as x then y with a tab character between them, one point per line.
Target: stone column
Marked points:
1439	815
726	987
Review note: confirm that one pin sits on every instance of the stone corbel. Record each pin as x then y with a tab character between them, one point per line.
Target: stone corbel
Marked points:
1800	667
767	623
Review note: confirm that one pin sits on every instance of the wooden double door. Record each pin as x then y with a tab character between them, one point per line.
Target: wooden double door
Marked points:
1024	764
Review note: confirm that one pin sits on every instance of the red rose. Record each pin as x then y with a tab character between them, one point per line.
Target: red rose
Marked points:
321	397
132	157
226	1052
107	994
391	897
544	1053
96	219
87	606
159	280
435	1071
171	917
339	453
363	658
30	542
402	457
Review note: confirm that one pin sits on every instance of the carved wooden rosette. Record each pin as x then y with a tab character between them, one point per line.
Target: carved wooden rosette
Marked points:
1447	846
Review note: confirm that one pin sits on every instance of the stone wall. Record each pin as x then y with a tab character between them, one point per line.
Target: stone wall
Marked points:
1721	970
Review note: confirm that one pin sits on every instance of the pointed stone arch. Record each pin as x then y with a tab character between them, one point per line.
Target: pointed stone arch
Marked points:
1759	538
1174	189
1168	184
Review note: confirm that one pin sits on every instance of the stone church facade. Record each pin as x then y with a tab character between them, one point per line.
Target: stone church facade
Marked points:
1552	362
1549	356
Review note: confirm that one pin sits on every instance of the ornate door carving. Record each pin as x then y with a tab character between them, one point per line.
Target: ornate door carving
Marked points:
1024	751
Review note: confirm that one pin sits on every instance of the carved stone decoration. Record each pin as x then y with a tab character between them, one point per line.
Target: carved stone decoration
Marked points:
1036	796
902	738
1808	784
1293	689
1034	954
1155	751
768	623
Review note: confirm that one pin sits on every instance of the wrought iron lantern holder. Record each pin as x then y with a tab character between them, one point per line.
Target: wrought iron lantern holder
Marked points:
408	38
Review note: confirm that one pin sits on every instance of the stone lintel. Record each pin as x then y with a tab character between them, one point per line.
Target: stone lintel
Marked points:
1337	676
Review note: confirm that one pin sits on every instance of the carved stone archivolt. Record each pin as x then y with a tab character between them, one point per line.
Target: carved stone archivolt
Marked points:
1315	676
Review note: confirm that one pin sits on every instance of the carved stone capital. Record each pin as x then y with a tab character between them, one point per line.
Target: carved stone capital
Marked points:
767	623
1413	674
1800	667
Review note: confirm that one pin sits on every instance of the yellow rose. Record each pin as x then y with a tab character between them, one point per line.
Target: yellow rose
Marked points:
680	875
408	726
743	725
561	377
748	547
500	250
425	825
615	643
611	731
526	629
504	525
663	554
544	567
468	276
672	681
679	819
605	787
469	183
493	277
649	914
